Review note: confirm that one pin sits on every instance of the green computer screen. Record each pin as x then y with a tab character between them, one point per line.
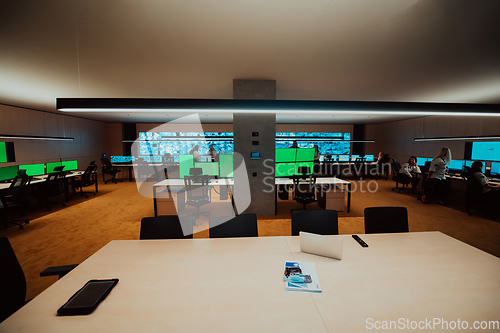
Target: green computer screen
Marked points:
305	155
51	166
8	172
284	169
70	165
304	164
226	165
209	168
185	163
3	153
286	155
34	169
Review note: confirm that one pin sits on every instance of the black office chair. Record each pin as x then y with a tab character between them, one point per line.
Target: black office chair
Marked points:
107	168
14	199
244	225
197	191
386	220
51	188
322	222
13	281
304	187
396	167
474	199
162	227
88	178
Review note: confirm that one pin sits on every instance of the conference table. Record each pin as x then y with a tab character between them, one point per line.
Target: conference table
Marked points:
323	181
236	285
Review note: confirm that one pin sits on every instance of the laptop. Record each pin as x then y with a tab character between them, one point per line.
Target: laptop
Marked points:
327	246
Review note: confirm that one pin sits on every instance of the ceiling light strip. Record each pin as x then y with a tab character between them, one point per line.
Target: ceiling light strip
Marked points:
483	137
35	137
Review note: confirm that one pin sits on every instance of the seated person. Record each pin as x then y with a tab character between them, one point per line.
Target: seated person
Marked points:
407	173
491	193
435	185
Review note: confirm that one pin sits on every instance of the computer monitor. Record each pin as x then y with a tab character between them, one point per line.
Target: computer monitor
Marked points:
343	158
456	165
421	161
285	169
226	165
495	169
52	165
369	158
70	165
305	154
354	157
469	164
34	169
9	172
209	168
7	153
286	155
304	164
185	163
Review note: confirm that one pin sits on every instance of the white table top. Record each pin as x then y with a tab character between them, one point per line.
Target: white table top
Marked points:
230	181
235	285
40	179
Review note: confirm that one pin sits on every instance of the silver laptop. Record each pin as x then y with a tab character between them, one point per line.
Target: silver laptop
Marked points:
327	246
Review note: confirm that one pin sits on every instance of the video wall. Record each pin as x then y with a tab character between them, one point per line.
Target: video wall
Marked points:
7	152
154	145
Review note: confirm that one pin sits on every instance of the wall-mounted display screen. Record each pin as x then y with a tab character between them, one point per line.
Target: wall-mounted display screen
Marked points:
486	151
33	169
9	172
7	152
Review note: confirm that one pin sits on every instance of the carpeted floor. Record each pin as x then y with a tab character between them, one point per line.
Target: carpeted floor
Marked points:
72	234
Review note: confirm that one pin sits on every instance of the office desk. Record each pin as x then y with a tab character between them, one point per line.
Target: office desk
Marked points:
230	182
40	179
236	285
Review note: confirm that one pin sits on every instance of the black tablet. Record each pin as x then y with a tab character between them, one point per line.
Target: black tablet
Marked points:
86	300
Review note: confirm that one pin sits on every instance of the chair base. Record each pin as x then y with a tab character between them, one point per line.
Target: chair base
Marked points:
15	222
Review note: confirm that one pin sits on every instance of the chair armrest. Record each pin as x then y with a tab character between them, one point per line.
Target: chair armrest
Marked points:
57	270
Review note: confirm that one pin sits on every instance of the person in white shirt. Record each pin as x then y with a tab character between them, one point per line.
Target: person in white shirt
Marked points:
408	173
437	176
490	191
213	153
195	153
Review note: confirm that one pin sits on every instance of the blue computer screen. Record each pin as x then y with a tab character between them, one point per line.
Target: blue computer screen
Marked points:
456	165
343	158
369	158
486	151
495	169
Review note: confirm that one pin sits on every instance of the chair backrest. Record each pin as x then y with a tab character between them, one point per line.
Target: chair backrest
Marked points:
106	164
322	222
89	177
162	227
244	225
18	186
54	184
12	281
196	187
304	186
395	170
474	187
386	220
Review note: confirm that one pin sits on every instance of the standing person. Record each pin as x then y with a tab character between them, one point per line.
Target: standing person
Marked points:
212	152
195	153
437	176
407	173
